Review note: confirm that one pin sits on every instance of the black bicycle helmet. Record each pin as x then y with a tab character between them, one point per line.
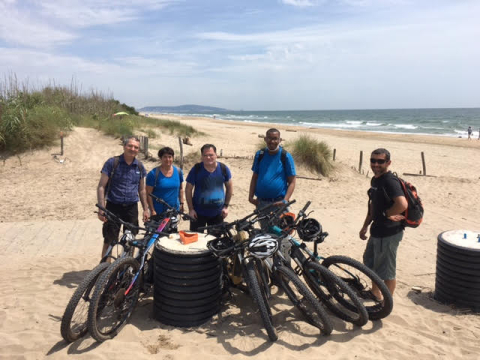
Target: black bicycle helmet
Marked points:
221	247
309	229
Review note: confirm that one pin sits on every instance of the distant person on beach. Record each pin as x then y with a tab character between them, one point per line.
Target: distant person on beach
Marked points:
274	176
469	131
122	183
166	182
385	205
213	186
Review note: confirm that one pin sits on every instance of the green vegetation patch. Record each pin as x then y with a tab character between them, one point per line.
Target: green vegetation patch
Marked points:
315	155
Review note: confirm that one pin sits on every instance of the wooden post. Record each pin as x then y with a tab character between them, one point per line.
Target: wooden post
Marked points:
423	164
360	163
61	144
181	152
146	147
334	153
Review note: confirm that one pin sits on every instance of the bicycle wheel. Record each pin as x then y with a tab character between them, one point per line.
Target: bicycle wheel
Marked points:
303	299
334	292
111	307
255	288
360	278
74	319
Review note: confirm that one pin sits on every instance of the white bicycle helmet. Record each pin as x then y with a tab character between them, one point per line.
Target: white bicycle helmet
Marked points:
262	246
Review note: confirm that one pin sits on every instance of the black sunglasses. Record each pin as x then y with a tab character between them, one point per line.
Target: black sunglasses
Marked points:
378	161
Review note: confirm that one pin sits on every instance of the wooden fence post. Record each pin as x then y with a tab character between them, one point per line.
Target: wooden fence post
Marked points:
61	143
334	153
181	152
360	163
423	164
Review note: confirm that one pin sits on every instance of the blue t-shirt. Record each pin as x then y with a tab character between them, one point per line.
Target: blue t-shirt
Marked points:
166	188
209	192
125	180
272	177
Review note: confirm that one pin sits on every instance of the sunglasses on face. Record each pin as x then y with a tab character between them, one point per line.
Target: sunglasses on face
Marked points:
378	161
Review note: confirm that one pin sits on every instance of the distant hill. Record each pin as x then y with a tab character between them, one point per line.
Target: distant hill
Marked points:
183	109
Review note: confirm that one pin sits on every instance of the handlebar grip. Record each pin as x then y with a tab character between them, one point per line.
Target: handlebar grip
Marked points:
306	206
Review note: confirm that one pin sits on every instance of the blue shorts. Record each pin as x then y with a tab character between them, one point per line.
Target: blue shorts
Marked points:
381	255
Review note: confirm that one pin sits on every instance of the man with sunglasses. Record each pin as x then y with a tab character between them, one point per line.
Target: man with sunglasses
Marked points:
386	204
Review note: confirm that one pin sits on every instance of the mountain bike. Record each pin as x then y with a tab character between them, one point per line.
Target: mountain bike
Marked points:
74	319
118	289
326	285
352	272
240	271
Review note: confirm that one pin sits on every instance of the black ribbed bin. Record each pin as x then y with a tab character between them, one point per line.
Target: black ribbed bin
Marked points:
457	278
187	288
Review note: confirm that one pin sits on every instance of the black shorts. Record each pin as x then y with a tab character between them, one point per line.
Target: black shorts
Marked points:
205	220
128	213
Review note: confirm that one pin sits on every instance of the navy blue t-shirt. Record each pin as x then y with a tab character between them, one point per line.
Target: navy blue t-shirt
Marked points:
209	190
125	180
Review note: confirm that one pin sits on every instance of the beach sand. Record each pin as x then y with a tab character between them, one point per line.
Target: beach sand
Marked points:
50	238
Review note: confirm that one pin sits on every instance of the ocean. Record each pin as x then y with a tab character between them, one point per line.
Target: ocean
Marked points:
438	122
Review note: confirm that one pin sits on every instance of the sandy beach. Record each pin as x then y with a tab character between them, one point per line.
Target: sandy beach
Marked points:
51	237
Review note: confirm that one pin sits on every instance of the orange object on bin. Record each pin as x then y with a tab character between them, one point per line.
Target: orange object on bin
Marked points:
188	238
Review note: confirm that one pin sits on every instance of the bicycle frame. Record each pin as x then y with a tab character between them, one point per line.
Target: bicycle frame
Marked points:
146	249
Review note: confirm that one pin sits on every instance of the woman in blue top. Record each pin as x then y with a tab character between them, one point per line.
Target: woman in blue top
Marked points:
165	182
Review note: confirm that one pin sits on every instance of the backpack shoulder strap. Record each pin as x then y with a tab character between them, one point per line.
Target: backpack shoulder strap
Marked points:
261	155
157	174
223	167
197	168
116	160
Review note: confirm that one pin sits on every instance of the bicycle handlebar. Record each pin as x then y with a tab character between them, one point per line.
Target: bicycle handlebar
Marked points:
115	218
161	201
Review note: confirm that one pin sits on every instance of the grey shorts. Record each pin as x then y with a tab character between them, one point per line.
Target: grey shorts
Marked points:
381	255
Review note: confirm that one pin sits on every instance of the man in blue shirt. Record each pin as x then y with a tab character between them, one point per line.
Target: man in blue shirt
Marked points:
124	180
274	176
209	203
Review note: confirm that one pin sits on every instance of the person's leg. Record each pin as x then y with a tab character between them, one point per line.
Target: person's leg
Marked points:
390	260
110	229
214	220
130	215
369	261
201	221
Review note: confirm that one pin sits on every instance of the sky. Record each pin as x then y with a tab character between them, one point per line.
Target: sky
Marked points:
250	54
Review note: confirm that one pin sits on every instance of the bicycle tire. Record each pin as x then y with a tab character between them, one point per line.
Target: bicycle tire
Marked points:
333	292
74	327
360	278
109	296
303	299
259	298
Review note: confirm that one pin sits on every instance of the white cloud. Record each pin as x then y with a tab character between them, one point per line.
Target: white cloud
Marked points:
299	3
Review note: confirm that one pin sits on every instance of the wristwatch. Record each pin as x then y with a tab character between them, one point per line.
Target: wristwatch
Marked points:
225	205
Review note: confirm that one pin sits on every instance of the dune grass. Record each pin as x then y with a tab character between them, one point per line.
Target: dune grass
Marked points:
31	118
313	154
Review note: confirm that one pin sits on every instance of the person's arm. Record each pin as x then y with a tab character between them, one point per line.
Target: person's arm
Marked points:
149	190
143	199
101	195
394	212
181	197
228	197
251	193
367	222
189	197
291	186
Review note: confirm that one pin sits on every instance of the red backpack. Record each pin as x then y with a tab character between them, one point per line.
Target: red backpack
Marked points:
414	212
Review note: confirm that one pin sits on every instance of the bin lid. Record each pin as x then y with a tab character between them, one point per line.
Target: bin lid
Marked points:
457	238
173	244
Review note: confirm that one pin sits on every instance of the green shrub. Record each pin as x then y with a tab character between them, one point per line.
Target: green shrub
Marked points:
311	153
